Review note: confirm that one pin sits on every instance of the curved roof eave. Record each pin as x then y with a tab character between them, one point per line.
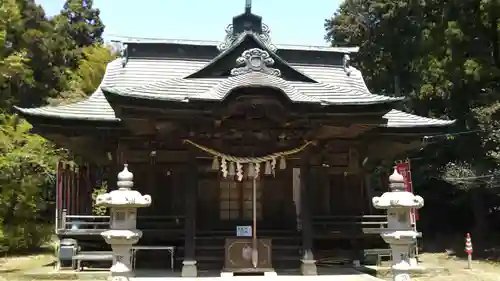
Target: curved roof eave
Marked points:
397	119
93	108
216	89
77	117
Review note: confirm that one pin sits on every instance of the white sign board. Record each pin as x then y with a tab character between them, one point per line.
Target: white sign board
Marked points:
244	231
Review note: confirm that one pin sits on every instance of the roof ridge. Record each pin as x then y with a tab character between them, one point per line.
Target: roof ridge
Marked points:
216	43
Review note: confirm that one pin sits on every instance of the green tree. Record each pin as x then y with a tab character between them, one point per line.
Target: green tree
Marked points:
12	62
55	53
92	67
48	57
27	162
87	77
60	60
84	25
444	57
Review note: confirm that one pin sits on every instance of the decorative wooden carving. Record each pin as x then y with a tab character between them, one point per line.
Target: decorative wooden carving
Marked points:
238	255
255	60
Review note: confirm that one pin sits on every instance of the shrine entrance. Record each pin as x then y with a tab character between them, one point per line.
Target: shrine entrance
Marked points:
224	203
236	200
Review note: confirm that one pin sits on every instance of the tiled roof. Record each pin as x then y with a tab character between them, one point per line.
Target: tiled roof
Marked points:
219	88
96	107
400	119
334	86
137	72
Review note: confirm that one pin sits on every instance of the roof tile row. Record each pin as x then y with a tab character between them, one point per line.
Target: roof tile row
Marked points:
163	78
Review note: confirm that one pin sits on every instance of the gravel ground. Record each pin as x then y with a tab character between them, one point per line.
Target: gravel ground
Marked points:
453	269
12	268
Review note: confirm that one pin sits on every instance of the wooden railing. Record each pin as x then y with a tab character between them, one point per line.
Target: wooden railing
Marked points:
348	225
81	224
94	225
160	222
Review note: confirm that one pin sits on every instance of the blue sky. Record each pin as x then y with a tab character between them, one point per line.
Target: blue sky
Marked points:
291	22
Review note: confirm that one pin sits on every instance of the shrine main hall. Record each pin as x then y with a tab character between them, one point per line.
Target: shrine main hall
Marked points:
245	147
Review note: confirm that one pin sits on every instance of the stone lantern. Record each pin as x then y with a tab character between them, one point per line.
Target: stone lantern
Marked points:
122	234
399	233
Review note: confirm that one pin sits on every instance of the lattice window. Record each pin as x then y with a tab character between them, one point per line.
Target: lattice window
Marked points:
236	200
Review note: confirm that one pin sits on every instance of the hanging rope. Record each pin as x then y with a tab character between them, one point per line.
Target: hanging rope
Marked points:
236	163
244	160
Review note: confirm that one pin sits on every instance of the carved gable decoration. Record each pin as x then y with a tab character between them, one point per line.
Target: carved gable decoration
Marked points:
255	60
231	38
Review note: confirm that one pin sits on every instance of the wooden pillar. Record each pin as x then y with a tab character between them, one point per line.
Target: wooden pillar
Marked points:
189	268
113	171
308	266
151	187
368	191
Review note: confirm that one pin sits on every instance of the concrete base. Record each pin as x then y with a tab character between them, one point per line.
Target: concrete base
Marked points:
308	267
189	269
265	273
119	277
270	274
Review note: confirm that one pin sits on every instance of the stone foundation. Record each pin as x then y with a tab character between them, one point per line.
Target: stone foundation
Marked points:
189	269
308	267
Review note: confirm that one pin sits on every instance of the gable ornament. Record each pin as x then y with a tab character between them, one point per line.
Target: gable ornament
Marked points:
231	38
346	64
124	54
255	60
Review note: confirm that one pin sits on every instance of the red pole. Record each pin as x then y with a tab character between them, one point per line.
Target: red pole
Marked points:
59	193
416	216
77	193
67	182
468	250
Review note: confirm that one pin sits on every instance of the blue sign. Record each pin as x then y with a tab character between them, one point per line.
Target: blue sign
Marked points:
244	231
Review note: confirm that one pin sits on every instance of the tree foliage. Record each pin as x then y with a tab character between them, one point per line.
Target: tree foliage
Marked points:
444	56
42	61
27	163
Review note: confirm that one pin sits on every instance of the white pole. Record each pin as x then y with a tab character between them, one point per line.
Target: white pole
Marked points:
255	254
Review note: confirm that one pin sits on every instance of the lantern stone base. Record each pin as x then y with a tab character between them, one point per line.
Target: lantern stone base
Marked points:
189	269
308	267
400	275
121	270
119	276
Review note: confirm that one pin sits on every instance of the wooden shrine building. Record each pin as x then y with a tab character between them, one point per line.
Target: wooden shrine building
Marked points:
196	121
